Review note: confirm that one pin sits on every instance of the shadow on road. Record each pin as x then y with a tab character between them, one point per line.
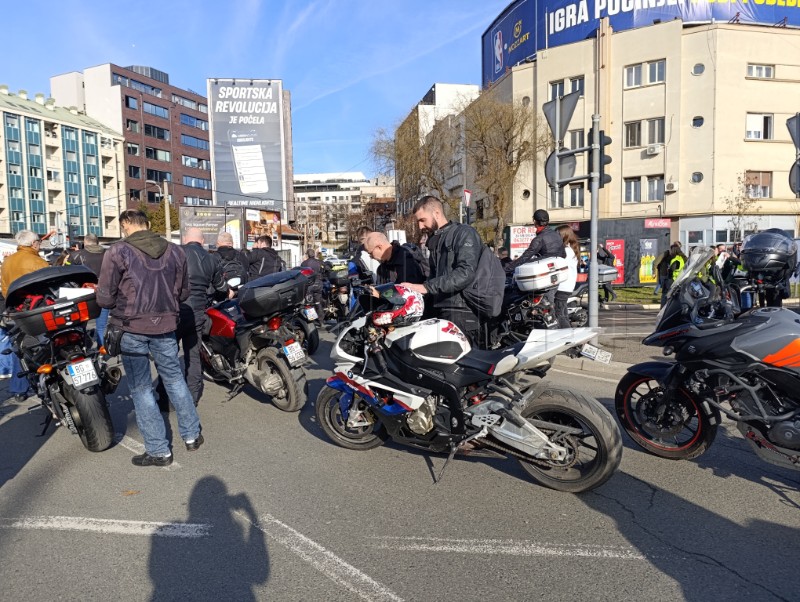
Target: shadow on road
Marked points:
225	566
21	435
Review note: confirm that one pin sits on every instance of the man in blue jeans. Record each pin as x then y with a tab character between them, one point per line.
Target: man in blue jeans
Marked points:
142	281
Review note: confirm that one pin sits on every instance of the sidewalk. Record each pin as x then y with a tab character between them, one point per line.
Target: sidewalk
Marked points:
582	364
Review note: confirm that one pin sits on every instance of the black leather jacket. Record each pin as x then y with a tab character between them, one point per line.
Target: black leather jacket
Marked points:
548	243
205	276
455	251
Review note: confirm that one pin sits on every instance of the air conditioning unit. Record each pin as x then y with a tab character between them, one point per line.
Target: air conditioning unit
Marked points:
654	149
671	187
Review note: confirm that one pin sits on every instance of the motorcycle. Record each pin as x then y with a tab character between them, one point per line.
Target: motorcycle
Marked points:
741	365
336	297
248	339
48	311
421	384
303	325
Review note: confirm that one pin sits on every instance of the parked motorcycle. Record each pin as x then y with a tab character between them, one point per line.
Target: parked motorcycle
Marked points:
303	325
745	366
420	383
336	298
48	311
249	339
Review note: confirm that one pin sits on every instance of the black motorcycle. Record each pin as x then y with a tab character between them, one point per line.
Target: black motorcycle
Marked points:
743	365
48	311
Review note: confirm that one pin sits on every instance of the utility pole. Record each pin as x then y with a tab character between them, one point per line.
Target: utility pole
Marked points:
167	216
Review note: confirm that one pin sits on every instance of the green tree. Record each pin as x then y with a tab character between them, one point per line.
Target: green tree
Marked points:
158	222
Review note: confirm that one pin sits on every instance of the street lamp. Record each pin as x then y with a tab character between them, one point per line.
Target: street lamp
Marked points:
164	195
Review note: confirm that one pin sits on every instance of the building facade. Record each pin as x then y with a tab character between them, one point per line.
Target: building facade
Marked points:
61	172
165	129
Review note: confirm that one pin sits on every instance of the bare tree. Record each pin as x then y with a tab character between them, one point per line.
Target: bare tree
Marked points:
742	206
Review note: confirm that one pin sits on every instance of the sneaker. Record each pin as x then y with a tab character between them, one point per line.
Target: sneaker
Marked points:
194	444
148	460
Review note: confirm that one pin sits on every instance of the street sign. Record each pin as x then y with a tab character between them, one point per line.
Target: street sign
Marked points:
568	104
566	167
467	197
793	123
794	177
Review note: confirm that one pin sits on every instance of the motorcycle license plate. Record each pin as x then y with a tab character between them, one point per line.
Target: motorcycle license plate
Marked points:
595	354
82	374
310	313
295	354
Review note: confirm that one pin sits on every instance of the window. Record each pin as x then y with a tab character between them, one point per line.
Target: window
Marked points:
134	194
53	175
131	102
633	134
134	171
655	188
15	193
36	195
35	172
655	131
91	180
194	122
656	71
155	110
159	176
633	190
12	121
133	149
576	84
196	182
576	139
132	126
90	159
557	198
202	108
196	163
556	89
758	184
157	154
37	218
697	177
698	69
633	76
697	121
72	177
194	142
195	200
762	71
34	149
156	132
72	156
758	126
576	195
72	199
121	80
184	101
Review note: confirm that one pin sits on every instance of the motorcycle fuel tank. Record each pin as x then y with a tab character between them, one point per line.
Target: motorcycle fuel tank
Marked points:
437	341
776	342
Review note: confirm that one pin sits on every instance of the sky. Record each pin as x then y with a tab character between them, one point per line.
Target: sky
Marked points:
351	66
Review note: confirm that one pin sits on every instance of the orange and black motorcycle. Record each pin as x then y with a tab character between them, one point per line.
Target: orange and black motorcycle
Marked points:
743	365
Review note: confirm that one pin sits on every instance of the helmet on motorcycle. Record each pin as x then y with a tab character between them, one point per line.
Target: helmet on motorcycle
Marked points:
541	217
769	255
400	306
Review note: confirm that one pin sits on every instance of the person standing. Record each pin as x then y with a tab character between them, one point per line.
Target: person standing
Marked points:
455	250
396	262
502	253
232	262
263	260
566	288
91	255
142	281
315	287
674	260
25	260
606	257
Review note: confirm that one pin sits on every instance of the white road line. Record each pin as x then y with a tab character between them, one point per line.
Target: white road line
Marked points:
326	562
101	525
507	547
585	375
138	448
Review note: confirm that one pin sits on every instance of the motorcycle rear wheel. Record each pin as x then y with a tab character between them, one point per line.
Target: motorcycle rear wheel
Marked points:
579	319
306	334
91	417
593	456
333	424
294	393
675	430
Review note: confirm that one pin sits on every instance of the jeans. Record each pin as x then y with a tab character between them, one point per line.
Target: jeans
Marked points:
164	349
6	363
100	325
560	305
17	385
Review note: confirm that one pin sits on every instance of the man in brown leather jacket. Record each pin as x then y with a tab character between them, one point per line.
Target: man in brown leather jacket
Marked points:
24	261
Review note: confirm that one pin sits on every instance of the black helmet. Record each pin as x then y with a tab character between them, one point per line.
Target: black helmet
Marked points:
540	216
769	255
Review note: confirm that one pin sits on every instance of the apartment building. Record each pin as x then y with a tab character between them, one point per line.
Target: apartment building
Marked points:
61	172
165	129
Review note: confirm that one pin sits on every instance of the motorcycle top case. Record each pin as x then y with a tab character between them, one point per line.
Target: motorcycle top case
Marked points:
541	274
606	274
272	294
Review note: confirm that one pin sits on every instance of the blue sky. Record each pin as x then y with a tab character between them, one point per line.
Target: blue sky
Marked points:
352	66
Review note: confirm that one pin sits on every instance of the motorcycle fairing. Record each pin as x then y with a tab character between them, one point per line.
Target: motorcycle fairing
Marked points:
541	345
438	341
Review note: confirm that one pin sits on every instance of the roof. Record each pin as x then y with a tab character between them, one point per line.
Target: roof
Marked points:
16	104
289	231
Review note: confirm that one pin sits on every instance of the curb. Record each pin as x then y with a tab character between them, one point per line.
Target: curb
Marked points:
591	366
608	306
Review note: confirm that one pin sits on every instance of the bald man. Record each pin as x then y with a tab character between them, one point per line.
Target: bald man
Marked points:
204	275
396	263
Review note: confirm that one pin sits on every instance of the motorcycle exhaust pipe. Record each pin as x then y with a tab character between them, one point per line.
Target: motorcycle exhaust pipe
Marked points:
111	379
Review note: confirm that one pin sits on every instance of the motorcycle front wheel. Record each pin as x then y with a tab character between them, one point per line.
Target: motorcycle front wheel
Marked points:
579	318
91	417
334	425
592	457
675	429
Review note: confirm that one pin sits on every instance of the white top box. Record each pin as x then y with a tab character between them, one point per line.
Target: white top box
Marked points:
541	274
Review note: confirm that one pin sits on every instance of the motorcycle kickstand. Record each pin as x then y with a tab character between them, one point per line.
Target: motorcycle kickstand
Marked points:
454	449
48	419
237	388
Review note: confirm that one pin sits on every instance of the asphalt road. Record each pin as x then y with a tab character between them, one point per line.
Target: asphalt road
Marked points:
269	509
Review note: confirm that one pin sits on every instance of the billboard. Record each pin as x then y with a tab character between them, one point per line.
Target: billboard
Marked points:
527	26
258	222
212	221
519	239
248	162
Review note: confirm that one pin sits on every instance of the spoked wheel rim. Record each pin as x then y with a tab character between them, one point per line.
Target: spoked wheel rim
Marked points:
667	425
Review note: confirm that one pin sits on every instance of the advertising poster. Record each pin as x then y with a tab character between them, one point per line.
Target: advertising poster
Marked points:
261	223
520	238
647	254
246	138
617	248
212	221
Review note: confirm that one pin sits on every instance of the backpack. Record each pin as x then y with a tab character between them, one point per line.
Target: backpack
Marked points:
233	268
609	259
422	261
263	268
485	295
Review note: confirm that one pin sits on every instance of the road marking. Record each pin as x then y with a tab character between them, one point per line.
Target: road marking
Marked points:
507	547
138	448
585	375
326	562
102	525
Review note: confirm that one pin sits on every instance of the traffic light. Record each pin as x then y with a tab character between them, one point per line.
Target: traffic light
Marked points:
603	141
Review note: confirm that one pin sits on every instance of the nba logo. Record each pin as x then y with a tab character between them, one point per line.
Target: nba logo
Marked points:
498	51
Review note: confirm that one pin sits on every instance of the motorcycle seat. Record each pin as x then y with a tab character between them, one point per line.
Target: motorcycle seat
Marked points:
494	362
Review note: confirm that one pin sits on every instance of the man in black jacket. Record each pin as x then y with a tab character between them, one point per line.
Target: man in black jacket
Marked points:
455	250
315	287
263	259
91	255
232	262
547	243
397	264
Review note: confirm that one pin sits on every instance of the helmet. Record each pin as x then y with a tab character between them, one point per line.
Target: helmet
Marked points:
540	216
769	255
400	306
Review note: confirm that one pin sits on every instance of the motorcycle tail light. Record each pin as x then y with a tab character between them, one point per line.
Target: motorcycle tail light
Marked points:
288	342
274	323
308	272
44	369
69	337
75	360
